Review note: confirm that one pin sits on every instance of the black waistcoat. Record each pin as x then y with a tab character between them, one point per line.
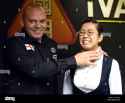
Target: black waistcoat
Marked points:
103	88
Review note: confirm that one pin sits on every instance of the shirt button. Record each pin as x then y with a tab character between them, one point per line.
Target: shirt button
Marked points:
18	83
48	84
33	71
4	46
105	84
18	59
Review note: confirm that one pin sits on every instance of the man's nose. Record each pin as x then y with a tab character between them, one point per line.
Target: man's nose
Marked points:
38	24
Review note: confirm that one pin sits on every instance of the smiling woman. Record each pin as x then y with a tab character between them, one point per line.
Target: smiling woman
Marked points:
100	78
90	34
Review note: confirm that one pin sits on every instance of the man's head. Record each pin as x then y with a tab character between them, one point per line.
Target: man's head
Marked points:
34	20
90	34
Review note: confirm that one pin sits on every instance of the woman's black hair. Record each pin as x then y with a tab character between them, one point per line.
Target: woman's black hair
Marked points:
92	20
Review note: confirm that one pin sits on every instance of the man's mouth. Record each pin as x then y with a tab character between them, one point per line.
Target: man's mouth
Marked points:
38	31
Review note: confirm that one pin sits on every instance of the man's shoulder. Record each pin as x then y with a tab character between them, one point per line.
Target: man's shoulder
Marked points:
17	36
15	39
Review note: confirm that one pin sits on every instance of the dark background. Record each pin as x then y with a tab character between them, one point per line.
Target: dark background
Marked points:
8	10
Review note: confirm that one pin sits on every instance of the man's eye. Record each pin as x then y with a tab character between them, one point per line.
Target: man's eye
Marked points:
32	21
42	21
82	32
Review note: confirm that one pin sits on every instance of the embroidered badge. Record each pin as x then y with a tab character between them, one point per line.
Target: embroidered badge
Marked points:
29	47
20	34
53	50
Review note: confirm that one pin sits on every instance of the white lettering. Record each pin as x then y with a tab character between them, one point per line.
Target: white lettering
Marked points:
119	9
90	9
106	8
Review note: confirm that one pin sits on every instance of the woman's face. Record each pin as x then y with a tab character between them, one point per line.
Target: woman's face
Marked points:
89	36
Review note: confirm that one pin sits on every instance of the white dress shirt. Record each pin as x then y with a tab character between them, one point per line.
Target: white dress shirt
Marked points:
88	78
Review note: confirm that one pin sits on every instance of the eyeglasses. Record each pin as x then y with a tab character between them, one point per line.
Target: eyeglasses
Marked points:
89	33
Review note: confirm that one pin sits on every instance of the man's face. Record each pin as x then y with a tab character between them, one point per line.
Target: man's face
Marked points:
35	22
89	37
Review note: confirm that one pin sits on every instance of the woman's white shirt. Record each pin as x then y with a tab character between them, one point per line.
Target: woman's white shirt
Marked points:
88	78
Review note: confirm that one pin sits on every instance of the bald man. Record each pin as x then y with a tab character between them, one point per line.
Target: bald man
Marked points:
35	70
